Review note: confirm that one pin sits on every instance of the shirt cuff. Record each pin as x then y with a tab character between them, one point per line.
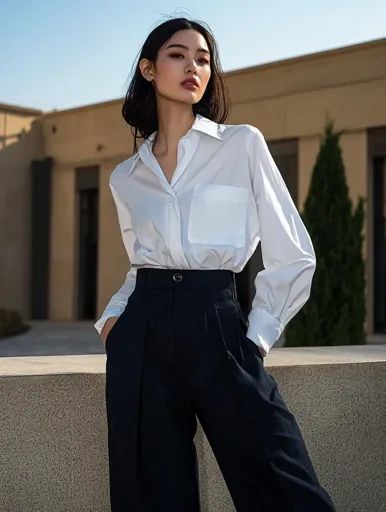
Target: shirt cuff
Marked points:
112	311
264	329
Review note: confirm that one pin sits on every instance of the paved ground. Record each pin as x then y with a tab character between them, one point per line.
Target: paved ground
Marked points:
53	338
70	338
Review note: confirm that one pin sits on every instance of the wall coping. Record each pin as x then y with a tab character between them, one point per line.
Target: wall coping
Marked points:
277	357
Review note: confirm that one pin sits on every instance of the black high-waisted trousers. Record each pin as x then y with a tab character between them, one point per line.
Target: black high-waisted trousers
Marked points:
179	352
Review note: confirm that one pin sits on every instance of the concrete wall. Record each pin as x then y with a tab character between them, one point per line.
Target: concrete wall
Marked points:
53	431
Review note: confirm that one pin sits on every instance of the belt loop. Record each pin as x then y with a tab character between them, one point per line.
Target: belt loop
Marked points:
145	280
234	289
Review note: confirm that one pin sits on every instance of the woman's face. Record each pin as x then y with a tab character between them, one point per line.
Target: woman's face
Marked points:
185	55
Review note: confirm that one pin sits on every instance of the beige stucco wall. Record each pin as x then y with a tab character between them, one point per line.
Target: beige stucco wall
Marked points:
79	131
293	96
62	264
15	212
12	124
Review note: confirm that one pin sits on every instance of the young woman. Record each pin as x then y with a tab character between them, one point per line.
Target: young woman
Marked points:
193	203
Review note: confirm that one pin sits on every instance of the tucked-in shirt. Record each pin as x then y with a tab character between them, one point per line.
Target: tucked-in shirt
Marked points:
225	196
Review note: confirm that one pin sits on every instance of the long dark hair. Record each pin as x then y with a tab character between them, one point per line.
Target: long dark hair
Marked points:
139	107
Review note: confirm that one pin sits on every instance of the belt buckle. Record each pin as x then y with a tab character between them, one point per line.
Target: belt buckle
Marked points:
178	277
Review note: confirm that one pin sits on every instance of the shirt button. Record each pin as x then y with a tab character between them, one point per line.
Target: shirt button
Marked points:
178	277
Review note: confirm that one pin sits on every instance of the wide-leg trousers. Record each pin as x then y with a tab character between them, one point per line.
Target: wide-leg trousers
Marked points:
179	352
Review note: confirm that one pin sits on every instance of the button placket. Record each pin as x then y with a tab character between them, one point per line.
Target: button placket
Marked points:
174	232
187	147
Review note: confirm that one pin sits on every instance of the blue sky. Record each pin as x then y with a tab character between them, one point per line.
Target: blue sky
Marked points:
63	54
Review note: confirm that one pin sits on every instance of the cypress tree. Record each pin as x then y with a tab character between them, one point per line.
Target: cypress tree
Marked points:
335	311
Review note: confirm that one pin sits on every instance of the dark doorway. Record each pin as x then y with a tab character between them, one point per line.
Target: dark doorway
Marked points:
379	196
41	175
376	147
87	180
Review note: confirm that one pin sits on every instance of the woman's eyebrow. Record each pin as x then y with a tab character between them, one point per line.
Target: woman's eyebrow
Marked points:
186	47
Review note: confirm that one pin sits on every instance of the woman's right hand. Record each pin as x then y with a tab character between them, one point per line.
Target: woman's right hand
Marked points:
108	325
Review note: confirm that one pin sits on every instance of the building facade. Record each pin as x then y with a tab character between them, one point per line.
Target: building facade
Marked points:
62	254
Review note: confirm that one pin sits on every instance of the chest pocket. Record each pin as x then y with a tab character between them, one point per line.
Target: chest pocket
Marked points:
218	215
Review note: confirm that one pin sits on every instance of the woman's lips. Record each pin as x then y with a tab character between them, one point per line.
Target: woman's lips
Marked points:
189	85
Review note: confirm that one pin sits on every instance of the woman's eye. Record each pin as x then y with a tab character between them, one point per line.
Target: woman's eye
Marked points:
205	61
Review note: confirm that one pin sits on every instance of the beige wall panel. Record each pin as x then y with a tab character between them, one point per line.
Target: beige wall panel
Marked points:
80	133
11	125
322	70
354	107
62	268
15	211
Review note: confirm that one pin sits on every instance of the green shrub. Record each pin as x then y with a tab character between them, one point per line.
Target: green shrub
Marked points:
11	323
335	311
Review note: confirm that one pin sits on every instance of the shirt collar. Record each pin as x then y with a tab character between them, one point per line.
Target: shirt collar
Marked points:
201	123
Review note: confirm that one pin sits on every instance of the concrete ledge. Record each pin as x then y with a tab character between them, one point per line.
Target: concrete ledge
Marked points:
53	434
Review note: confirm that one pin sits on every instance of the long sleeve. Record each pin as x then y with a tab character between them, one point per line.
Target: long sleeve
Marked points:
284	285
118	301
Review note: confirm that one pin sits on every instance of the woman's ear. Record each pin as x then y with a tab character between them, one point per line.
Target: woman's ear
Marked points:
146	69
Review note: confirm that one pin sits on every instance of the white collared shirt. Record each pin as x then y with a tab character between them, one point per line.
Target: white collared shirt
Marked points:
226	194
